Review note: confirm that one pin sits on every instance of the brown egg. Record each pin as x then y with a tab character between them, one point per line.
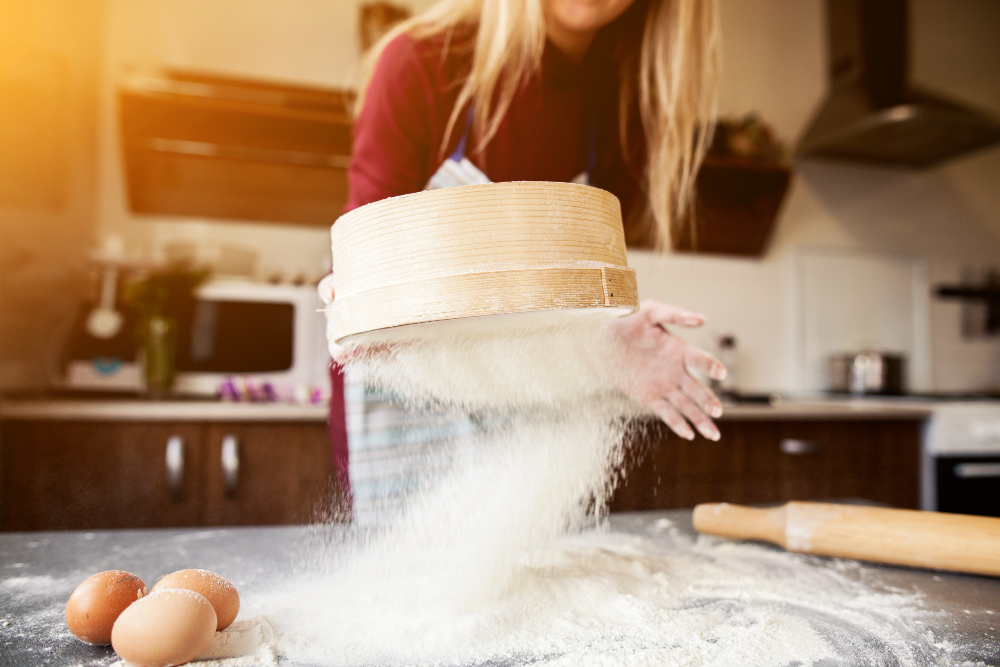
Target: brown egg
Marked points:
96	603
218	590
167	627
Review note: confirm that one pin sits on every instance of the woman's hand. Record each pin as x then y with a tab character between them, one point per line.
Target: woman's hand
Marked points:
338	353
325	291
653	367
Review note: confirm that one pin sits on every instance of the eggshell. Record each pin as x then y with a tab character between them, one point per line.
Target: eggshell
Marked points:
218	590
96	603
167	627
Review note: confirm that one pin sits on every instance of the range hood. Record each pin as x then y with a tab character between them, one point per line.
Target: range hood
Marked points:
873	113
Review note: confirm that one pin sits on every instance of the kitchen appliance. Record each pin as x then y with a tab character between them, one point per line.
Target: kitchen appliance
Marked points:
867	373
960	469
873	112
839	312
987	295
260	334
520	248
902	537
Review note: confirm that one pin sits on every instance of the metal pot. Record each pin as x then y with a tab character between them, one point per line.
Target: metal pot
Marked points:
867	373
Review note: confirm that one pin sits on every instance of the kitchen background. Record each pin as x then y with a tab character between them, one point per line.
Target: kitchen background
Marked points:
95	134
854	260
896	233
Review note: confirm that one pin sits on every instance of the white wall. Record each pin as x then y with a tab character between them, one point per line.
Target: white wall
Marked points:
948	218
774	63
49	69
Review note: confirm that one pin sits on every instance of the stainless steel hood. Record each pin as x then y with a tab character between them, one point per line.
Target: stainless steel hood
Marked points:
873	113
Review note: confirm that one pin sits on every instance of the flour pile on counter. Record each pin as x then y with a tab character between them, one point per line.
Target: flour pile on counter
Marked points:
505	558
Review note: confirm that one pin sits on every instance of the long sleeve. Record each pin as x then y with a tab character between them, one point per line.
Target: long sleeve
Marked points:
393	134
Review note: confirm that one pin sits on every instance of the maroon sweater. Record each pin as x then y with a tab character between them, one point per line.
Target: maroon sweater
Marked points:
543	137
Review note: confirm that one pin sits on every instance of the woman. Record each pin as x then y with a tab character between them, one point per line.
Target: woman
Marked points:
607	92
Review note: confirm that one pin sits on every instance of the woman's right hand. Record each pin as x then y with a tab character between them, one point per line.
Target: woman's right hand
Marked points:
325	290
655	368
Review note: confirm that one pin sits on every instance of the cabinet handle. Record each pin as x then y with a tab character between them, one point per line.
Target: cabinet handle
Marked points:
797	447
230	464
976	470
175	465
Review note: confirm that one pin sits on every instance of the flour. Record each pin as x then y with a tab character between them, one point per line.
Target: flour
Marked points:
45	619
507	558
498	363
248	641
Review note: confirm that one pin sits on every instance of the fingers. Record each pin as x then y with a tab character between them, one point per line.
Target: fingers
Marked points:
704	362
694	414
663	314
677	410
702	396
672	418
325	289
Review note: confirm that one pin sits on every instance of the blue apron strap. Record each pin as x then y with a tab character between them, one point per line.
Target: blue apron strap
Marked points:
460	149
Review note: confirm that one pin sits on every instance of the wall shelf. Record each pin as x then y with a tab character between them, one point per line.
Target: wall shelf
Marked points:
207	146
737	202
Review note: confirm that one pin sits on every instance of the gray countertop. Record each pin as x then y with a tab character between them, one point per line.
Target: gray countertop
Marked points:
66	409
961	623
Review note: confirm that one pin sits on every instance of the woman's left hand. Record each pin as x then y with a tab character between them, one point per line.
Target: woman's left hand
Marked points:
654	367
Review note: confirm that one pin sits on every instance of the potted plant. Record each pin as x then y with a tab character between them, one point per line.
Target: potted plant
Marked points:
161	298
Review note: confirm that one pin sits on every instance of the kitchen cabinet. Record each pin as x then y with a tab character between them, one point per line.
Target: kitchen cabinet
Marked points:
261	474
142	474
131	464
773	461
223	147
91	475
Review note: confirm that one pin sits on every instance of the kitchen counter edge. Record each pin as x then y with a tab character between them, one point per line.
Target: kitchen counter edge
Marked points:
131	410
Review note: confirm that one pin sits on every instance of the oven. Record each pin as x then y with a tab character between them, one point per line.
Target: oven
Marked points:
961	459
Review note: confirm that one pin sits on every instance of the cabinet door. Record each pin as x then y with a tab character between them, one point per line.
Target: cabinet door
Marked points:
269	473
773	462
99	475
874	460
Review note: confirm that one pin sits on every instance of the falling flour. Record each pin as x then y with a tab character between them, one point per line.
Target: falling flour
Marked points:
507	558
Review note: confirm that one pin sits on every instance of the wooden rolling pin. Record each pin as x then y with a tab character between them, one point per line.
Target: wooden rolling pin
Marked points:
936	540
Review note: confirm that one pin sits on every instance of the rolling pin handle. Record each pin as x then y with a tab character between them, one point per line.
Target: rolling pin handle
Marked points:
742	523
934	540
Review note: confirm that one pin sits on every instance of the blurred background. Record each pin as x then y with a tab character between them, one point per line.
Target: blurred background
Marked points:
65	186
847	230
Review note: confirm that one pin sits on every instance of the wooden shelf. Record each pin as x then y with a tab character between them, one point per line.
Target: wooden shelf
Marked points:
735	208
201	145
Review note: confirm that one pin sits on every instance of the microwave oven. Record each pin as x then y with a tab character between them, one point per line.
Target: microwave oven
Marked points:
242	332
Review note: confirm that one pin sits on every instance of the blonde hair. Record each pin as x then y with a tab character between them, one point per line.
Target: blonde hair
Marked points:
672	79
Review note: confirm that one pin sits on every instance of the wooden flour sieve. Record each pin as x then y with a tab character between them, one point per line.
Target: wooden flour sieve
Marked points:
479	250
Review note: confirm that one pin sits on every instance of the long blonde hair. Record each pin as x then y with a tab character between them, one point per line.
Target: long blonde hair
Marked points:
672	79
